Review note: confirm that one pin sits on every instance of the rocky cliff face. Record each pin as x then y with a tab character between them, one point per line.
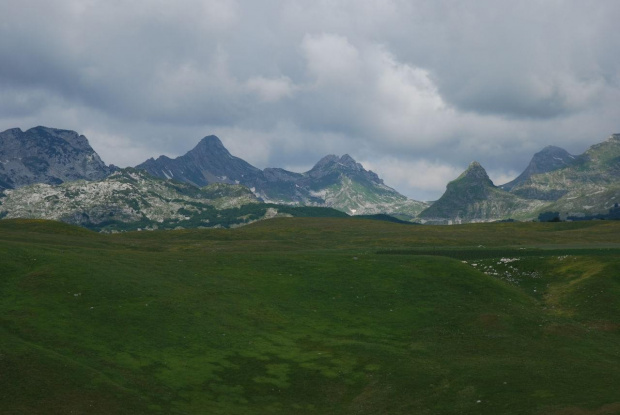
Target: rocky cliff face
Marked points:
337	182
47	155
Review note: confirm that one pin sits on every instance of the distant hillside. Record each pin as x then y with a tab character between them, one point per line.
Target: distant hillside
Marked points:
554	181
129	198
132	199
473	197
588	185
549	159
47	155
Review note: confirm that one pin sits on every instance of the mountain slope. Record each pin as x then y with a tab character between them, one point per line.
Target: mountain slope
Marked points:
549	159
345	185
280	318
208	162
589	185
337	182
47	155
126	196
473	197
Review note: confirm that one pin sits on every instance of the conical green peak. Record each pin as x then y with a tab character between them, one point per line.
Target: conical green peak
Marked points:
474	171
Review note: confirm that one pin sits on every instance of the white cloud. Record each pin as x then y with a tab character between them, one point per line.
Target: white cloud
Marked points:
501	177
332	60
414	178
271	90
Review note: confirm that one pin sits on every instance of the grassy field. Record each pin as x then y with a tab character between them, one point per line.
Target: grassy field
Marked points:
311	316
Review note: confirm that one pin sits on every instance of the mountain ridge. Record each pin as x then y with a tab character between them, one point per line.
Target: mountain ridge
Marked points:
583	185
548	159
338	182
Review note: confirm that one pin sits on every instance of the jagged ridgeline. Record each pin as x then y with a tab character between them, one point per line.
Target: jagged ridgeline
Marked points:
337	182
55	174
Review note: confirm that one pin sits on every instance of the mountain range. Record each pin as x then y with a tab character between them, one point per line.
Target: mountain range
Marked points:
55	174
554	181
338	182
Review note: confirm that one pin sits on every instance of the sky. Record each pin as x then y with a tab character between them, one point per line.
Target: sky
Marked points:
414	90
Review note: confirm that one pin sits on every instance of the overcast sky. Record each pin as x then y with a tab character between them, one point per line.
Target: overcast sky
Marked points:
414	90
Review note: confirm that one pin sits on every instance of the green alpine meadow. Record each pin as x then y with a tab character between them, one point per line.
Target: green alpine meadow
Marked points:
311	316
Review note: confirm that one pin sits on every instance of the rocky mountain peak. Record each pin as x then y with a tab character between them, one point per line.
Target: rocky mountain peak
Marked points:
549	159
210	146
11	132
472	196
325	161
346	165
332	162
211	141
208	162
348	162
475	172
47	155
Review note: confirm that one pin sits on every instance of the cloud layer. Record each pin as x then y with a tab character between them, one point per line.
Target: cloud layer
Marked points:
414	90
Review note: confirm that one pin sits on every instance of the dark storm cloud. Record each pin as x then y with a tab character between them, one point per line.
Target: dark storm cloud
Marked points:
414	89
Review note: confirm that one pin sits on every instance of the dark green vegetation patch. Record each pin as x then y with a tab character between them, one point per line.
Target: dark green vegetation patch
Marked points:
303	316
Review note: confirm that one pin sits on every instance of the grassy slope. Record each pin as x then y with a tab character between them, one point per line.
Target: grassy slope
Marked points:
304	316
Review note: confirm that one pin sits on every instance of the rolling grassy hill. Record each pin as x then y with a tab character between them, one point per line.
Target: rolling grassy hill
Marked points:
311	316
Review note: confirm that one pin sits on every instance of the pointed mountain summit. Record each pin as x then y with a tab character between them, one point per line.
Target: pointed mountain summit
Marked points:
208	162
47	155
472	197
334	165
472	186
343	183
475	174
548	159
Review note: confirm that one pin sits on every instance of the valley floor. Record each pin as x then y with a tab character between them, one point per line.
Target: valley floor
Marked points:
311	316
